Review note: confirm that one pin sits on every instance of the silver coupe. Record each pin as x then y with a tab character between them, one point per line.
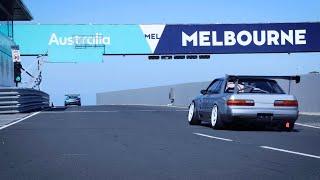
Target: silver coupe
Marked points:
254	100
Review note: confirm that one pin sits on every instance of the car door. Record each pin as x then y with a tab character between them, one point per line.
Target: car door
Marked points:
212	96
203	100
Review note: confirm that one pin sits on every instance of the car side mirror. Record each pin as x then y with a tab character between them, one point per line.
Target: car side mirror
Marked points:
203	91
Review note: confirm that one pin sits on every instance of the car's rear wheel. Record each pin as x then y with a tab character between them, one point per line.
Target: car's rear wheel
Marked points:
192	116
216	121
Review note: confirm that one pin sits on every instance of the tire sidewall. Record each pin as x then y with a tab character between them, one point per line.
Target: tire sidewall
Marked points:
219	123
193	113
194	119
214	110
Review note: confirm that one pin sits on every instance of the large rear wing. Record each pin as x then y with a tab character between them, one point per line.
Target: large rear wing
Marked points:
290	78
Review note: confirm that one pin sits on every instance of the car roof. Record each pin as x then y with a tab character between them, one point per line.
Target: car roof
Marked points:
73	95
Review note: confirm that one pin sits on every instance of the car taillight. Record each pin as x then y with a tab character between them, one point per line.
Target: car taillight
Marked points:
287	103
240	102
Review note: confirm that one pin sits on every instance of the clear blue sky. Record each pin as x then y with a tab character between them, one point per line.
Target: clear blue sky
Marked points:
118	73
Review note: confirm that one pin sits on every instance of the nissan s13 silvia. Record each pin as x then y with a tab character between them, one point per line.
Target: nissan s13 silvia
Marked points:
235	99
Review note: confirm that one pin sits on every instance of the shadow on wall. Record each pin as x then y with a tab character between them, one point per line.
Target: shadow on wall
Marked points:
307	93
183	94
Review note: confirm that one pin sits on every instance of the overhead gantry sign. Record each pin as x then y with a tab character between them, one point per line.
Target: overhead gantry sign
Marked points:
89	42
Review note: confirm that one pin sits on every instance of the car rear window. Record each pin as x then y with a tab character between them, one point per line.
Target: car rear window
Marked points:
72	97
265	86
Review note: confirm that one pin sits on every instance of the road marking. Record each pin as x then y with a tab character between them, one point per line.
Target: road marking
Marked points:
49	112
74	154
306	125
157	110
310	113
22	119
213	137
148	105
143	110
291	152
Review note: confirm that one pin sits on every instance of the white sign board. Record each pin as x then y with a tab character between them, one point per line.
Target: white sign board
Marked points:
16	55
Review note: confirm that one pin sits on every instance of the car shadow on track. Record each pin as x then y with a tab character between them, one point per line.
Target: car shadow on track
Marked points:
247	127
57	108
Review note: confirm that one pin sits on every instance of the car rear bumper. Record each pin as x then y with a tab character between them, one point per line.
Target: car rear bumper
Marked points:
262	115
72	103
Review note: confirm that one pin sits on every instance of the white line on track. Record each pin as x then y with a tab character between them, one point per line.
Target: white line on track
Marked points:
75	154
310	113
49	112
213	137
147	105
158	110
306	125
22	119
291	152
144	110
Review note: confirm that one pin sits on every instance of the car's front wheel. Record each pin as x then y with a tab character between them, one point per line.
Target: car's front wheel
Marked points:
216	121
192	117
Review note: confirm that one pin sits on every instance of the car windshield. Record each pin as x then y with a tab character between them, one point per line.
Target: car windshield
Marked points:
265	86
72	97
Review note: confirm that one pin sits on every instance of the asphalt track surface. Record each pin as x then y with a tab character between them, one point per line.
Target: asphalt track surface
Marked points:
141	142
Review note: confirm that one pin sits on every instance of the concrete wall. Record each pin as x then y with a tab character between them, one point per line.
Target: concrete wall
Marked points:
6	64
183	93
307	92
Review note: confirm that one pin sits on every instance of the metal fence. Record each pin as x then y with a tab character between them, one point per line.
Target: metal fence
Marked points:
16	100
